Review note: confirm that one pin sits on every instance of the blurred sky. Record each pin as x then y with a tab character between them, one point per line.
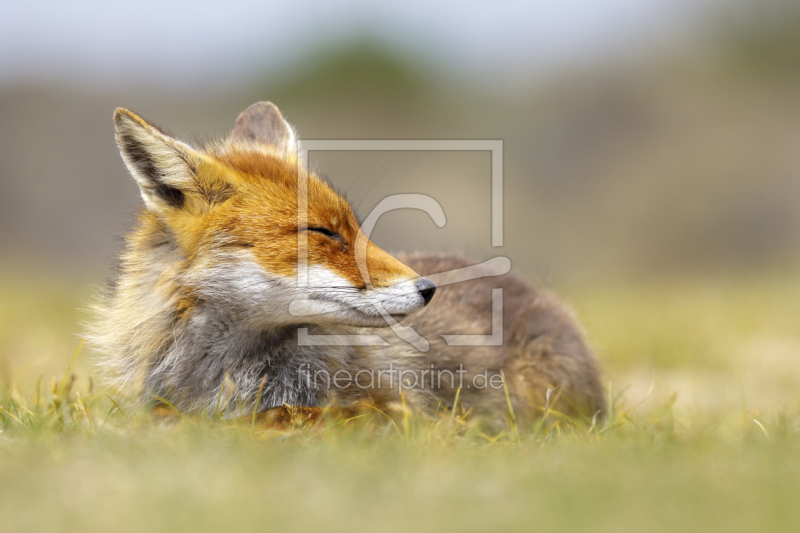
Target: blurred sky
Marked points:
640	136
184	42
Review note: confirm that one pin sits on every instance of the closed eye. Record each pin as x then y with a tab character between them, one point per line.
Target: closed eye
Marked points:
327	233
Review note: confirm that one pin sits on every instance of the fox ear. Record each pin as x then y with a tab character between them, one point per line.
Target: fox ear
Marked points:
263	123
163	167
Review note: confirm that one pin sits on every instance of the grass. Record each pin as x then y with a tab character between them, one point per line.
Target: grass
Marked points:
704	434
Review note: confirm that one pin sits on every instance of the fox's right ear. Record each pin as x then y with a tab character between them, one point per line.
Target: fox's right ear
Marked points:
163	167
263	123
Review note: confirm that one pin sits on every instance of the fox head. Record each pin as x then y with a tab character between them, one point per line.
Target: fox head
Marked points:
246	229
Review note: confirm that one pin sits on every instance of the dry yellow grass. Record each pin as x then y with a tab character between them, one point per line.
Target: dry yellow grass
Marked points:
706	436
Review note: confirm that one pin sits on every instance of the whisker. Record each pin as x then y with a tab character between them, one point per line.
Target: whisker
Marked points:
376	181
313	287
370	188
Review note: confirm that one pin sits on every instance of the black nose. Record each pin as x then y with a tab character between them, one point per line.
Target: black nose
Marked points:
426	289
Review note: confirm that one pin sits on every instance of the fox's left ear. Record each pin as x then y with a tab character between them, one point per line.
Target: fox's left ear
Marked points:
163	167
263	123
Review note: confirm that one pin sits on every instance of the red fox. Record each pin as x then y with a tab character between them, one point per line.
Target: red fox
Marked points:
200	312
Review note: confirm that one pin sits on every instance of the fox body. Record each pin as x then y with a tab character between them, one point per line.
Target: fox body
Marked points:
234	234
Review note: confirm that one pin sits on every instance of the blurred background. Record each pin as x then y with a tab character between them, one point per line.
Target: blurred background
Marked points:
651	150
